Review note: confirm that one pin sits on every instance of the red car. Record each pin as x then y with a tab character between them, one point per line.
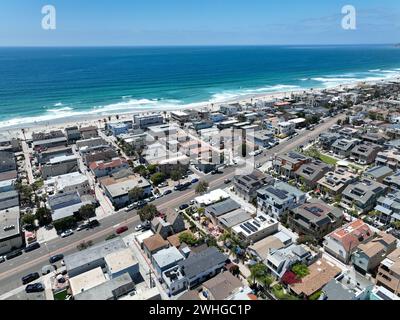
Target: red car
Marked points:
121	230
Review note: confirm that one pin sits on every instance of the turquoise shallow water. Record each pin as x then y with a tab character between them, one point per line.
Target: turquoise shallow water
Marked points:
47	83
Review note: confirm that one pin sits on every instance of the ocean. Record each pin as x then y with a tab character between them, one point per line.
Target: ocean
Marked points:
43	84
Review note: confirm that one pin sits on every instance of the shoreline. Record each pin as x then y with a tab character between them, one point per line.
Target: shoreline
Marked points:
83	119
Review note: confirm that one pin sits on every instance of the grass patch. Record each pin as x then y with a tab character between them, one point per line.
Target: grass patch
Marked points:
280	293
61	295
315	296
328	159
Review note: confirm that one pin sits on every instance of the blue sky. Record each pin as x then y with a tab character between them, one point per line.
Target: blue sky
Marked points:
197	22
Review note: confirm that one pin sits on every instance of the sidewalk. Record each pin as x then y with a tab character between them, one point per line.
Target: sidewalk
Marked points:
44	235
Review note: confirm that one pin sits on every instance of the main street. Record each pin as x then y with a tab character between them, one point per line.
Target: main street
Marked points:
13	270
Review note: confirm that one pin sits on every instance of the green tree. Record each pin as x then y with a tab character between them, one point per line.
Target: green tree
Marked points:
64	224
141	170
152	168
28	218
148	212
301	270
258	271
87	211
158	178
136	193
43	215
188	238
202	187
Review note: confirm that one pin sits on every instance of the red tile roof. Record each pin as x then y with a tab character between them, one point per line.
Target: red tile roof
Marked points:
352	234
101	165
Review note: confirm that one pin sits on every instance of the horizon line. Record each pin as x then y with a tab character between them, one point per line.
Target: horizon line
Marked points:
194	45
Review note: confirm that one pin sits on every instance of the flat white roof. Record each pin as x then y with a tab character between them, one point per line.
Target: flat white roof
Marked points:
120	260
87	280
212	197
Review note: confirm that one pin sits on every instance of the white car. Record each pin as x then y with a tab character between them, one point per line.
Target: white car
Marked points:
67	233
2	259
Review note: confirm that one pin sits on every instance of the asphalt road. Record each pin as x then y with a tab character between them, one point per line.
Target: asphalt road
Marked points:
13	270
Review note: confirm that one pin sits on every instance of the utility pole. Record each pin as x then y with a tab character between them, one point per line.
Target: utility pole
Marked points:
150	278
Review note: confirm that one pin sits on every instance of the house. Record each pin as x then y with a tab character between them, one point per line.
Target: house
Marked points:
315	219
9	199
105	154
233	218
119	128
256	229
166	259
122	262
112	289
92	257
342	148
88	132
174	223
180	116
104	168
309	173
86	281
65	205
45	156
117	189
144	121
289	163
379	173
320	274
388	275
362	195
45	140
342	242
262	138
365	153
389	158
211	198
393	181
175	280
10	232
154	244
326	139
201	266
213	211
368	256
73	134
342	288
67	183
247	185
87	145
279	261
262	248
59	165
221	287
276	200
388	207
230	109
163	131
7	161
217	117
286	128
335	182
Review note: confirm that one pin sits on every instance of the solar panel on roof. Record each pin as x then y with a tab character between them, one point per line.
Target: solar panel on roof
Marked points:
281	194
256	224
245	228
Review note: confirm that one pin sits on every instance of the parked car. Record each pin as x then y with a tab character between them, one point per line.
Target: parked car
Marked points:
187	185
131	207
227	181
83	226
2	259
35	287
67	233
141	204
195	180
144	226
56	258
32	246
93	223
183	206
166	192
30	277
158	195
13	254
47	269
151	199
121	230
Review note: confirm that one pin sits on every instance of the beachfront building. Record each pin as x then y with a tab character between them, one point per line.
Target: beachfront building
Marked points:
88	132
180	116
143	121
